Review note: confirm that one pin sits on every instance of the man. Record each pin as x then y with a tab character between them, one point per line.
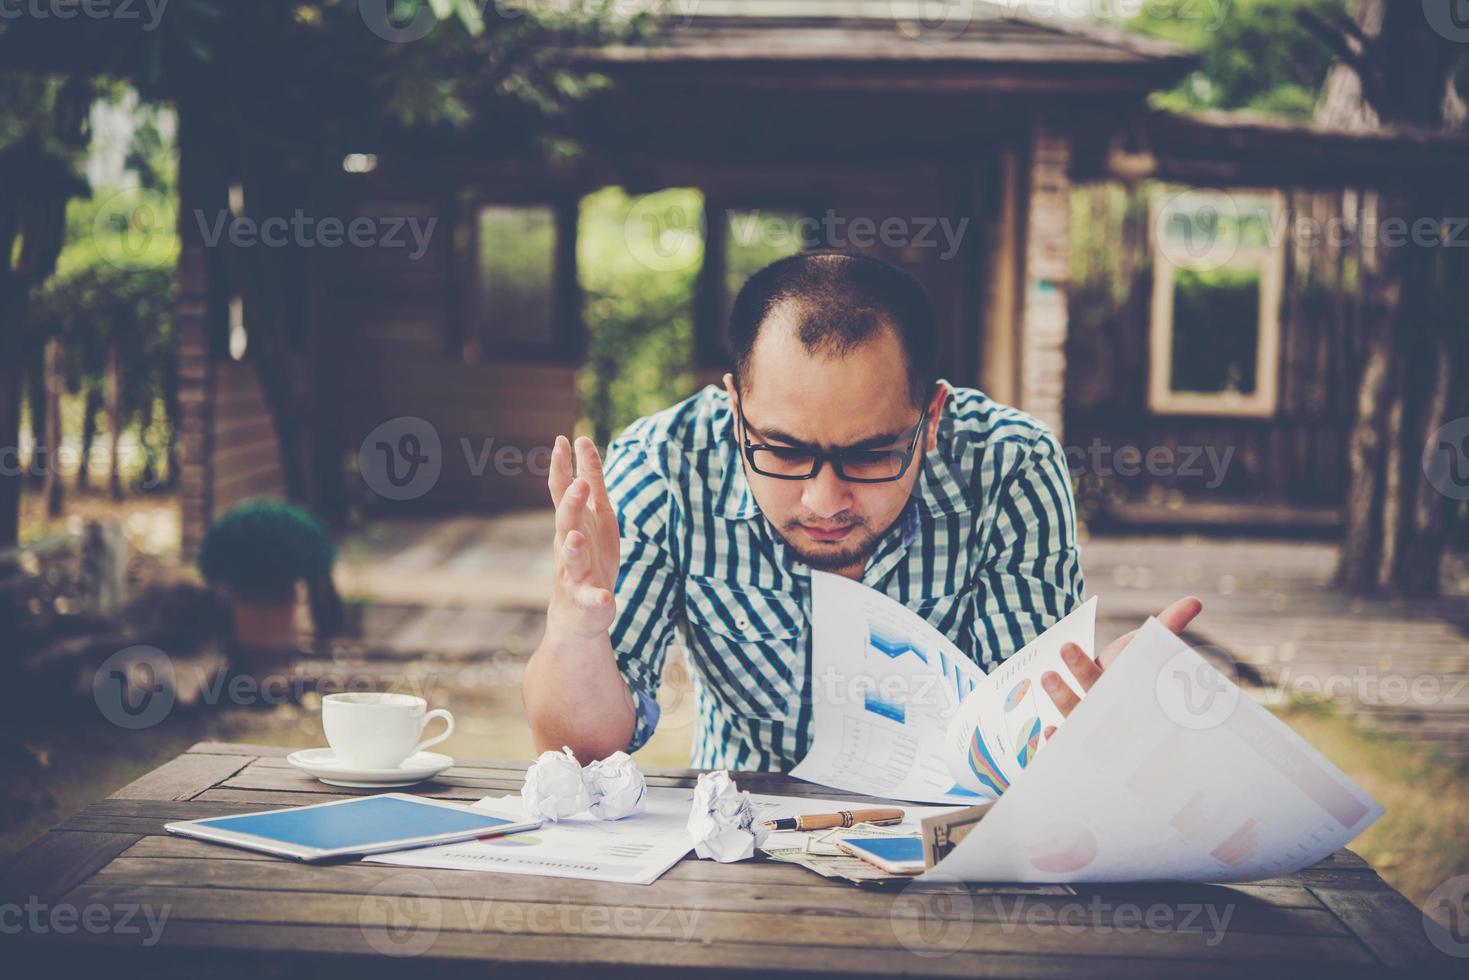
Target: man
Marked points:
834	446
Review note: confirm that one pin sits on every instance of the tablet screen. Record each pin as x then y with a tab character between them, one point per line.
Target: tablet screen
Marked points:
896	850
371	820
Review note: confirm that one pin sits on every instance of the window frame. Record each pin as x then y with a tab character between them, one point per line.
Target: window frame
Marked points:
1269	262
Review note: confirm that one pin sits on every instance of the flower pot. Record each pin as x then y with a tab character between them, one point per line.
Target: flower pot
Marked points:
265	625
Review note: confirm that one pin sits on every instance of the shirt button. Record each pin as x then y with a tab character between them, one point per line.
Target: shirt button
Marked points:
742	623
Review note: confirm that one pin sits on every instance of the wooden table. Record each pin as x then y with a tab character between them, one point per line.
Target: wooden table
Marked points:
233	912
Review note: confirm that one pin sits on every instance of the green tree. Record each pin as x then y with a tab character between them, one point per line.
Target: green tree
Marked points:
272	96
1254	54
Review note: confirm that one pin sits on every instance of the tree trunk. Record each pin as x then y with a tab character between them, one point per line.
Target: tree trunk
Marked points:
1395	520
113	385
90	408
10	465
55	383
41	450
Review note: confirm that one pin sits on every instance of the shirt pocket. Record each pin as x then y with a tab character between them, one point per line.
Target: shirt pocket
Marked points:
747	643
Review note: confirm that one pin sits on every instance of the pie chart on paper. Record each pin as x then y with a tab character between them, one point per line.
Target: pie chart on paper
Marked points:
1063	847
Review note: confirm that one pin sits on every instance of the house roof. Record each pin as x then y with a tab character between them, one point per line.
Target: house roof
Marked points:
974	46
1219	148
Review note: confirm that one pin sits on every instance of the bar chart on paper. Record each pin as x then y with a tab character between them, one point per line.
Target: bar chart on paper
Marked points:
885	684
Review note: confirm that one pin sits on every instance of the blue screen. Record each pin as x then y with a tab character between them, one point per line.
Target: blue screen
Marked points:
895	849
373	820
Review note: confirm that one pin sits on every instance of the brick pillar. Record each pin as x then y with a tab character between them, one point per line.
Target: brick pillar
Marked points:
1043	316
196	373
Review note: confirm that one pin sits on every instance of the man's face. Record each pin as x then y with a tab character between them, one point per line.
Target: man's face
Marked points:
857	400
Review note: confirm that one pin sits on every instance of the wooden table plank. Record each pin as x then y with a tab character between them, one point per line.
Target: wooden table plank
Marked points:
681	924
183	778
804	896
254	950
760	916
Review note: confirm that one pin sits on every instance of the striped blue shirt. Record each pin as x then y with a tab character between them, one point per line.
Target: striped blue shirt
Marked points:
985	550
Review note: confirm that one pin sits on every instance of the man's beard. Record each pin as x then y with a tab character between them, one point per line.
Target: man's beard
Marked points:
832	559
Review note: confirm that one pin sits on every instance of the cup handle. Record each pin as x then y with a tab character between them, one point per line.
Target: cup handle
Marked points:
448	720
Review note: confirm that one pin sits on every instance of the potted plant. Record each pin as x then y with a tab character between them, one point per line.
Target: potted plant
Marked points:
256	553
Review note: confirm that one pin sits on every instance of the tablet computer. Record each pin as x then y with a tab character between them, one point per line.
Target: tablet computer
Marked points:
346	828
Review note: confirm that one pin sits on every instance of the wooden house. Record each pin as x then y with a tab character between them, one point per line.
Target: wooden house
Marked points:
849	114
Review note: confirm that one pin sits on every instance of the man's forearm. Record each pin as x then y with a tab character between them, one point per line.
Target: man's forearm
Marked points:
575	697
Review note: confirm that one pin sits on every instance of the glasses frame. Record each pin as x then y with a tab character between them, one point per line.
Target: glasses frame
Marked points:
820	457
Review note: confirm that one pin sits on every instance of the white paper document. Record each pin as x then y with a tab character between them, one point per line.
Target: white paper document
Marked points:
635	850
1165	771
886	686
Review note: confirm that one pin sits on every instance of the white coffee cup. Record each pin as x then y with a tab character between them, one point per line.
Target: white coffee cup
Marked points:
379	731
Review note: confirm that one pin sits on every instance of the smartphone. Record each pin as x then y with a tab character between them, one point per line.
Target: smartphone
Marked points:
895	855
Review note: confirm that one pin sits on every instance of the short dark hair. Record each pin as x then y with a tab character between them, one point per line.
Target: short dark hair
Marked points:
840	300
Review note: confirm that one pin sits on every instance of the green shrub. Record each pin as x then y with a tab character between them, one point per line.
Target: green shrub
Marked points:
261	548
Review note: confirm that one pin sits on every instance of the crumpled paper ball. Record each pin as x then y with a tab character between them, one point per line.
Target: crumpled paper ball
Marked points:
722	821
554	787
616	787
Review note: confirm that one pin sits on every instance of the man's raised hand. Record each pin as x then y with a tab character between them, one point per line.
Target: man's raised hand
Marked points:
586	543
1086	671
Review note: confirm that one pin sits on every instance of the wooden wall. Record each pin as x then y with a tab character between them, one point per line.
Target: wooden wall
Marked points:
246	460
393	320
1291	467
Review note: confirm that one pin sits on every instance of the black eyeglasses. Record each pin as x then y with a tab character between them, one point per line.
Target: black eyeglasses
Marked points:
852	465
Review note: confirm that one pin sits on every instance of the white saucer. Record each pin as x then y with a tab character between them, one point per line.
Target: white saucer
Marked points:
323	764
